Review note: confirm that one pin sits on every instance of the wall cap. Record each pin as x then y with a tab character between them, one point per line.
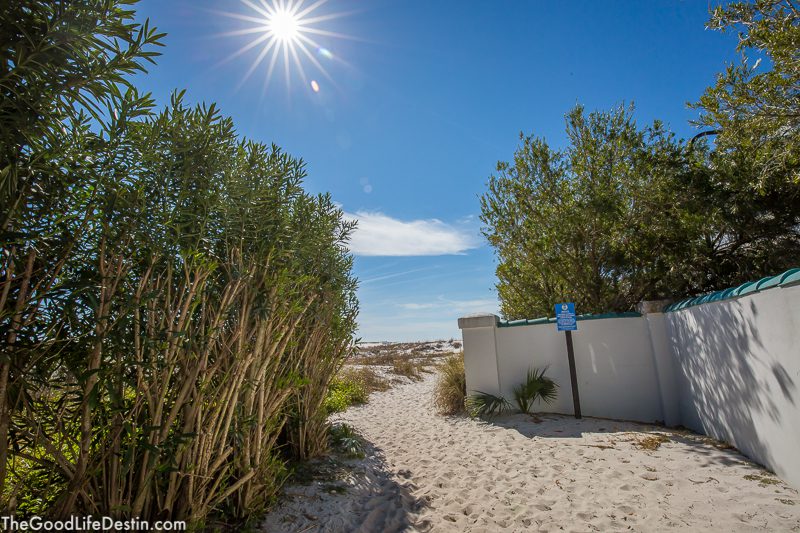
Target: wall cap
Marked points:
787	279
652	306
478	320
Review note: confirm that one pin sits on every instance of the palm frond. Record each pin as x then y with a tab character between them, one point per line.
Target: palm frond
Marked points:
535	387
485	404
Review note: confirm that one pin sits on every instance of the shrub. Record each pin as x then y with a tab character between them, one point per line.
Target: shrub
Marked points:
368	377
344	393
351	387
535	387
451	387
485	404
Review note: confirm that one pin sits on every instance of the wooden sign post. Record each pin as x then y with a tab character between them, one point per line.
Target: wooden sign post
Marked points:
567	321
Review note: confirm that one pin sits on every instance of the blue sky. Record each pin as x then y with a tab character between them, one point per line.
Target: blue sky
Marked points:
418	102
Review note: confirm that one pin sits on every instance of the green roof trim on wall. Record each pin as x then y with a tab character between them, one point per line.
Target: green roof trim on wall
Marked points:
790	277
546	320
746	288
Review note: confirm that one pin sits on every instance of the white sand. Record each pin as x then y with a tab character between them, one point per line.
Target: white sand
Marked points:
432	473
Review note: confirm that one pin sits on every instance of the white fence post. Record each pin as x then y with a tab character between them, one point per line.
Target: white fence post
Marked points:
480	353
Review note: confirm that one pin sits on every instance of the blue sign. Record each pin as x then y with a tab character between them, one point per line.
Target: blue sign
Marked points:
565	317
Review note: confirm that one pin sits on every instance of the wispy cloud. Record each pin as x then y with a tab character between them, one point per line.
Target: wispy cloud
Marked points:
381	235
395	275
455	306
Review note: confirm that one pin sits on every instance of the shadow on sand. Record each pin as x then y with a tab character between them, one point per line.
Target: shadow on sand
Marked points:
340	494
557	426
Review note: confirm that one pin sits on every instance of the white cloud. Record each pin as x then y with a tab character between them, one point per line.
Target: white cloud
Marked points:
415	306
379	234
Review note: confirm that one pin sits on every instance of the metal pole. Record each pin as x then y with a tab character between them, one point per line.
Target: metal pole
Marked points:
573	376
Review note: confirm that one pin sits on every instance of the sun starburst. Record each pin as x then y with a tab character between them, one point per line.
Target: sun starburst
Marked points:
284	35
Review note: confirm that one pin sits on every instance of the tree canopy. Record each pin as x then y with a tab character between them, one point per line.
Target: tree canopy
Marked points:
625	213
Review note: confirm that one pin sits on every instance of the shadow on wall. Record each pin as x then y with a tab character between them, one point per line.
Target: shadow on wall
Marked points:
732	383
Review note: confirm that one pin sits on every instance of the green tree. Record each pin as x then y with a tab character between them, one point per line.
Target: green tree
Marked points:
592	222
623	213
754	106
750	188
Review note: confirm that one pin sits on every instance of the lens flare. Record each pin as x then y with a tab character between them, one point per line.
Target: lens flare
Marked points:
283	31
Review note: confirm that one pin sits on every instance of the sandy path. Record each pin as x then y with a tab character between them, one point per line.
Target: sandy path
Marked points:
428	472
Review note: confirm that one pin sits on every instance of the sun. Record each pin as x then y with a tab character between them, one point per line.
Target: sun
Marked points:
284	33
283	25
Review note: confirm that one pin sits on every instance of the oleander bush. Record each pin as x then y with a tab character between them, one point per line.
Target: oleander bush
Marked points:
173	304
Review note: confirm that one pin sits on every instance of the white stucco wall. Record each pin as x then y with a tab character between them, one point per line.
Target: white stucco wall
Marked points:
481	358
613	357
524	347
665	368
738	369
729	369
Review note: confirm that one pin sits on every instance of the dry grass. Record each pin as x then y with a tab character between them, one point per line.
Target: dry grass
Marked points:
764	480
389	358
408	368
652	442
451	387
371	380
388	354
382	359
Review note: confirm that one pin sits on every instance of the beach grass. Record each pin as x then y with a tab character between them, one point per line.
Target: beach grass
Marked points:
451	387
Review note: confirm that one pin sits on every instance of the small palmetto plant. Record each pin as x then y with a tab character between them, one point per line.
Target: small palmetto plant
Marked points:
346	440
536	387
485	404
